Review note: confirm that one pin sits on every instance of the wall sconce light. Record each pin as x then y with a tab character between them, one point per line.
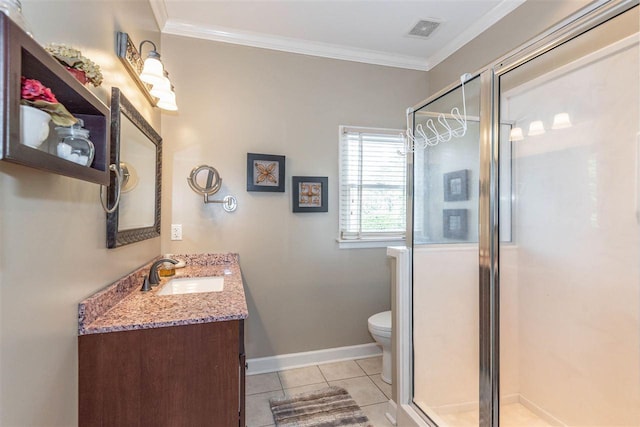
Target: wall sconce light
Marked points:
149	75
516	134
536	128
561	121
152	70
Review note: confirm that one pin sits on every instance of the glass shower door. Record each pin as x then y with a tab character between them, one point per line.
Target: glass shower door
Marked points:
445	262
570	274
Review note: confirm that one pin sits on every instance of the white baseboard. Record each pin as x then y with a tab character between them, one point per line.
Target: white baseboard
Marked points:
262	365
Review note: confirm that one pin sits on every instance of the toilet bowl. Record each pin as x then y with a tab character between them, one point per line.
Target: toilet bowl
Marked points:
380	329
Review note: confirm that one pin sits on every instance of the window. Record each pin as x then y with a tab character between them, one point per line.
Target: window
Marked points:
372	186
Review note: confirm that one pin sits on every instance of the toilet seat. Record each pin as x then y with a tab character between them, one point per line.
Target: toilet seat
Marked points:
381	323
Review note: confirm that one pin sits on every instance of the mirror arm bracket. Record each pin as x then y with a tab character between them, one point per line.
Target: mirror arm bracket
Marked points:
229	203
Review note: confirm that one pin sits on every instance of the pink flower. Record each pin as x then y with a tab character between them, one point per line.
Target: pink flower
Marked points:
49	96
34	90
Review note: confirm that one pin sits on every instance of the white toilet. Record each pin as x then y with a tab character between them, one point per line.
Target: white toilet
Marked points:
380	329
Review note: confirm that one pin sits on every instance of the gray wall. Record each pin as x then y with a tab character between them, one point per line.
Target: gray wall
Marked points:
304	293
52	233
527	21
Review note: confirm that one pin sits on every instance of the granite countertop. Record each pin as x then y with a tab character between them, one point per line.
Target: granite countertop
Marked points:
122	306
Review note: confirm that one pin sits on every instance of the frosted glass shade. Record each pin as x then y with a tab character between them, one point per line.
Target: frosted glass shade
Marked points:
152	71
536	128
561	121
168	102
162	88
516	134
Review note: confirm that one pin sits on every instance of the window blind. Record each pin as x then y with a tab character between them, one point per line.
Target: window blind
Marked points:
372	184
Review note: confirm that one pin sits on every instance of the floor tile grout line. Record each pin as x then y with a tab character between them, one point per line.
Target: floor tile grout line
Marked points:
268	391
372	404
306	385
280	381
360	366
378	387
322	373
348	378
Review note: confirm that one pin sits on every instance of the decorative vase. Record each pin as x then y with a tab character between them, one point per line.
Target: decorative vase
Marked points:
80	75
34	126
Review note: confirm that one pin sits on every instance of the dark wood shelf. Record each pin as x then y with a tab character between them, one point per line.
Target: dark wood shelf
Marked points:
23	56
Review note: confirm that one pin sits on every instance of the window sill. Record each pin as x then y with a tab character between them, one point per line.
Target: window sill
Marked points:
369	243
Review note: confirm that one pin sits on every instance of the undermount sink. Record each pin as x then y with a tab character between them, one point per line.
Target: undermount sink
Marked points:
193	285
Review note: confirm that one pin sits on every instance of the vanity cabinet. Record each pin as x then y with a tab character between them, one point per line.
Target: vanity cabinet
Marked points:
20	56
191	375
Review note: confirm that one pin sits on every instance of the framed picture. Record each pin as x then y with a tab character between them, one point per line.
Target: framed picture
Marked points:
456	186
310	193
454	223
265	172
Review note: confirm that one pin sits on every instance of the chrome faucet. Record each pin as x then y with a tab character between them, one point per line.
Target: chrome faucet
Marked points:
154	278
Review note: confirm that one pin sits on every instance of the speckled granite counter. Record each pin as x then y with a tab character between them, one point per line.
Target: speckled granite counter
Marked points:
122	307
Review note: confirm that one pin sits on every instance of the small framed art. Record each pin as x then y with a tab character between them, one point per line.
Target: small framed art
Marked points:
456	186
310	193
265	172
454	223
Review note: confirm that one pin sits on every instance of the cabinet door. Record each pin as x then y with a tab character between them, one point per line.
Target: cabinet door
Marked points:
175	376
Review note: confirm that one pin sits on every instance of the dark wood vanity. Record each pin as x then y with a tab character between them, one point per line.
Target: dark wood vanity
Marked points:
146	359
191	375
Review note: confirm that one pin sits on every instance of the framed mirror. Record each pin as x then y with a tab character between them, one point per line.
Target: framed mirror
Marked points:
137	148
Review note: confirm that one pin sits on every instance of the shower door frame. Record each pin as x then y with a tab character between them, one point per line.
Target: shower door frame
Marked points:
578	24
575	25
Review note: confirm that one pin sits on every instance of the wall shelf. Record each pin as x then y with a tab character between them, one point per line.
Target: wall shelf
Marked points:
23	56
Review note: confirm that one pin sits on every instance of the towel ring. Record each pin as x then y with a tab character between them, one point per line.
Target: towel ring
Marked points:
116	170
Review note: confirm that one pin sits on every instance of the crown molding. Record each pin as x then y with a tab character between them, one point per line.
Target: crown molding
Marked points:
325	50
494	15
159	9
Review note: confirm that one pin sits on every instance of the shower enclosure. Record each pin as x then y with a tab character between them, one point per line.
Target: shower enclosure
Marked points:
525	298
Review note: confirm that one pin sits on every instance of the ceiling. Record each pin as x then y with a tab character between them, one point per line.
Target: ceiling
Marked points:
370	31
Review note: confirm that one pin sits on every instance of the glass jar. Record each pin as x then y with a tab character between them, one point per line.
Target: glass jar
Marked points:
74	144
13	9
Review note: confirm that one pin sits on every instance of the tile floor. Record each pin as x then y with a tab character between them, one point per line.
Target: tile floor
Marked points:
361	378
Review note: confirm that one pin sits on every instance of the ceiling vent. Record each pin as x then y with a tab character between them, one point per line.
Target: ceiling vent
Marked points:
424	28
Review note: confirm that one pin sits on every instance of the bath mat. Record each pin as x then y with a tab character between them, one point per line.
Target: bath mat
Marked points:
328	407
